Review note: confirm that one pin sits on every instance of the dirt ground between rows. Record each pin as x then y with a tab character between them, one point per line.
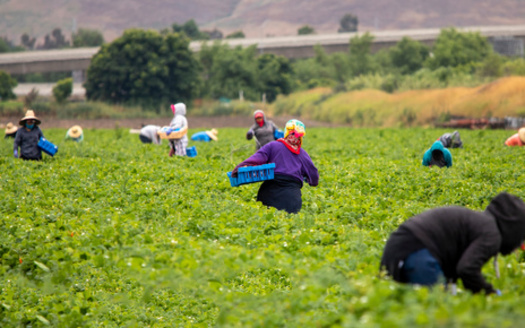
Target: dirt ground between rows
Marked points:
136	123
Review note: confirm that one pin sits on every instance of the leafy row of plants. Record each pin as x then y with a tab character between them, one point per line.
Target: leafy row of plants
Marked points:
112	232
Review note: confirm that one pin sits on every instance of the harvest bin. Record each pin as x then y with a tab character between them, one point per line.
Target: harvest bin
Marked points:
191	151
250	174
47	147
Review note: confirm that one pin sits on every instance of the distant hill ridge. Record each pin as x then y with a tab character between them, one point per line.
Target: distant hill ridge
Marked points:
256	18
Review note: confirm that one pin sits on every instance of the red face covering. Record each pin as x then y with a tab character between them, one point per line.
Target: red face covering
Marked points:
261	121
292	142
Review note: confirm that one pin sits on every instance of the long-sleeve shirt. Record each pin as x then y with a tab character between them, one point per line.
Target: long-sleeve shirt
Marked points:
428	158
514	140
150	131
299	166
462	240
28	142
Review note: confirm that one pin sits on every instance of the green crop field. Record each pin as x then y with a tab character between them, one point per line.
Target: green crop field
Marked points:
114	233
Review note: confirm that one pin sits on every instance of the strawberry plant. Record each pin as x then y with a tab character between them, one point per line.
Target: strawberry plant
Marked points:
112	232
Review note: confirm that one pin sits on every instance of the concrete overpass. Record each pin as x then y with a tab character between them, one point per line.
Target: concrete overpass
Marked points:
78	59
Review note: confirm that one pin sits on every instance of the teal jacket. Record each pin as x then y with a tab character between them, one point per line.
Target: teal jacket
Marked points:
447	156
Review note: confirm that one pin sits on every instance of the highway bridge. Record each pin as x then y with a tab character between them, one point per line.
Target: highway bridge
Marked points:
300	46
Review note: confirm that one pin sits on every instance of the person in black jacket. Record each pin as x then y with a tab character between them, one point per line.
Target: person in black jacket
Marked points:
27	138
450	243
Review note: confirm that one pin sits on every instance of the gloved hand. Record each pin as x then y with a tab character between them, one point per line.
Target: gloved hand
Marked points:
249	135
498	292
16	153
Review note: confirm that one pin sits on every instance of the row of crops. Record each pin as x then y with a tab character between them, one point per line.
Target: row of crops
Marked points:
111	232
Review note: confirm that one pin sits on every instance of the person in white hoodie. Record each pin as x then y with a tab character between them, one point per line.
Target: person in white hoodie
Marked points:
179	123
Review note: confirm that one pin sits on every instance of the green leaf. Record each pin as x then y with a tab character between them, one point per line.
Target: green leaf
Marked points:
42	266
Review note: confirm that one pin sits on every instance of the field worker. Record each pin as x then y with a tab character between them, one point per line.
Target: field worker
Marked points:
75	133
292	166
179	121
517	139
149	134
262	129
27	138
451	140
450	243
10	130
205	136
437	155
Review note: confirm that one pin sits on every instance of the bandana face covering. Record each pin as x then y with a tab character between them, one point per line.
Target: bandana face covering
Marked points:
261	121
30	126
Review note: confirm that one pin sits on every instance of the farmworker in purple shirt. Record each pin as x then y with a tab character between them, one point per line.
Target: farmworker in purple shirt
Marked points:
450	243
27	138
292	166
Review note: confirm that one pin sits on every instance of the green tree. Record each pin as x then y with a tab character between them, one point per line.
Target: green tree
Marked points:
408	55
7	84
7	45
56	40
348	23
236	35
4	46
306	29
227	71
361	61
214	34
316	71
274	76
27	41
143	68
87	38
191	29
453	49
63	89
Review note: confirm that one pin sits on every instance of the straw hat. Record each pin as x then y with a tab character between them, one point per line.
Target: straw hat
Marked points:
521	134
10	128
30	115
213	134
75	131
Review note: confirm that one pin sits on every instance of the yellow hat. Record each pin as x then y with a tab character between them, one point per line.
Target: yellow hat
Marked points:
521	134
75	131
10	128
213	134
30	115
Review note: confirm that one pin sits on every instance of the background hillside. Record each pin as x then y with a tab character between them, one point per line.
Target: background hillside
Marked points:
256	18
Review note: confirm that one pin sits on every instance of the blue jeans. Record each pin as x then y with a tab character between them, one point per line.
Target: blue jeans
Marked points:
422	268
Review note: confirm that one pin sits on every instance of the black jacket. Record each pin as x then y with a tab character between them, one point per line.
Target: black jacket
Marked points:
28	142
462	240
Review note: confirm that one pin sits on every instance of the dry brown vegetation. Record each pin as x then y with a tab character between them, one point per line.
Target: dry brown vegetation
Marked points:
503	97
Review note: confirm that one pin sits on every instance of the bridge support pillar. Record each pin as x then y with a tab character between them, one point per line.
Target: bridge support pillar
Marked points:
79	76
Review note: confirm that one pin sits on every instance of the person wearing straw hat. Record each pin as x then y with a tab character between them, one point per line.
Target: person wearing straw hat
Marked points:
205	135
27	137
10	130
517	139
75	133
263	130
293	165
